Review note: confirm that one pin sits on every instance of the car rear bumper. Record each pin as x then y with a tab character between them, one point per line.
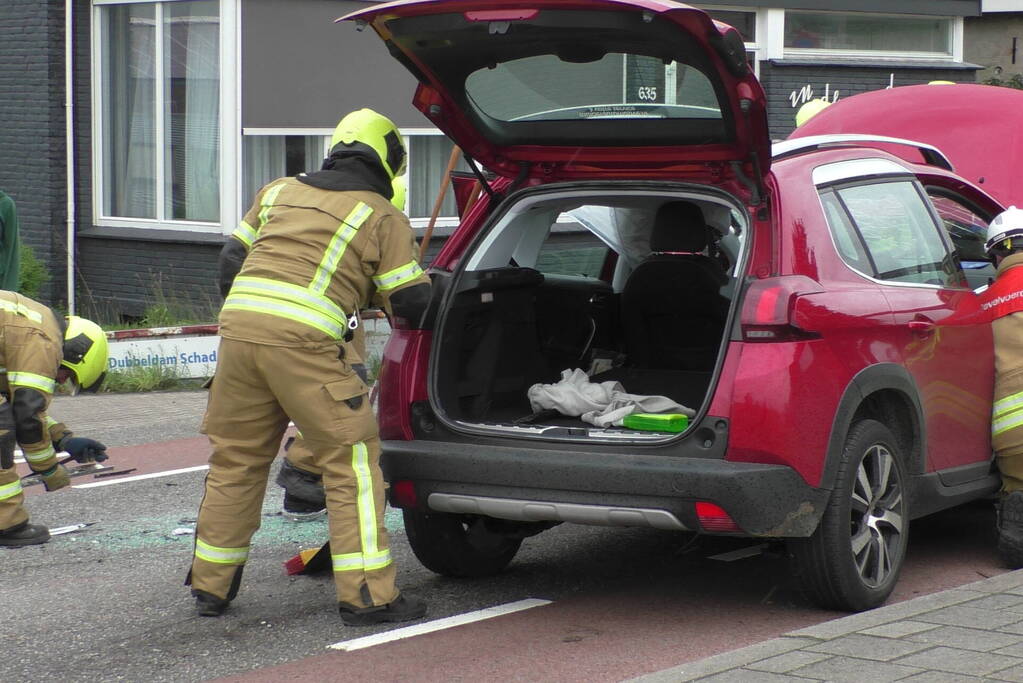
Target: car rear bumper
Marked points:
626	489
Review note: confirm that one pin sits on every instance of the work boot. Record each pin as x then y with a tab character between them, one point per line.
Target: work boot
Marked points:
1010	529
209	605
24	534
299	510
402	609
304	499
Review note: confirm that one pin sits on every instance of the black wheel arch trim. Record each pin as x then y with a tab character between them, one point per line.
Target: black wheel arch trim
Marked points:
879	377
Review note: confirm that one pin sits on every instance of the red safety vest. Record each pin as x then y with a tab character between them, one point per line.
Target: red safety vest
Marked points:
1005	295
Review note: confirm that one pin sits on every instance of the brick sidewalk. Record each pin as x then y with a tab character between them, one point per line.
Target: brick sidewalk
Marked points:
971	633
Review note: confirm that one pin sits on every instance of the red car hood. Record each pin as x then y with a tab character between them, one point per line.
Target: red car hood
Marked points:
978	127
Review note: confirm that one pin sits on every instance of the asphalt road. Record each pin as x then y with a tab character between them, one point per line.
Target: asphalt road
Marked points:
107	603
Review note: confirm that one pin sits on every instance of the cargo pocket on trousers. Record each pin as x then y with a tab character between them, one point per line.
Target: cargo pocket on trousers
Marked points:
352	412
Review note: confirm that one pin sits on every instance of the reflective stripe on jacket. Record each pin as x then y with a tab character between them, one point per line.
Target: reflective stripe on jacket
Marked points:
1007	329
315	256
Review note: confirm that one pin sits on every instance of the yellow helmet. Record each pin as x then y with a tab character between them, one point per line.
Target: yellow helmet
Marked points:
85	352
367	129
809	110
398	198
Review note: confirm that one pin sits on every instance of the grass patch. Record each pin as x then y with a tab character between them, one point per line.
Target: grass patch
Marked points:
144	378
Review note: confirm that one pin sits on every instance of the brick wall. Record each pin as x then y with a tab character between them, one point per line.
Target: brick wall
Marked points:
32	159
781	80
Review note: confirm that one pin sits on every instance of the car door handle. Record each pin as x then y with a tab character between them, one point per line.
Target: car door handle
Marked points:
923	328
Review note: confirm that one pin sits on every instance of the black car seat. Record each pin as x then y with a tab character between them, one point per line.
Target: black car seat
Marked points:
672	309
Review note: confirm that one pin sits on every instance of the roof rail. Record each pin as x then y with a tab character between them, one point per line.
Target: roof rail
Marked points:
786	148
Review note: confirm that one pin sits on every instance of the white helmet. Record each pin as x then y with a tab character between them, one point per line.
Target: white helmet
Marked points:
1005	226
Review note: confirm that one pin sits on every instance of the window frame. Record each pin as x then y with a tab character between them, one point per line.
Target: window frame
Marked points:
755	48
955	33
230	147
950	253
407	133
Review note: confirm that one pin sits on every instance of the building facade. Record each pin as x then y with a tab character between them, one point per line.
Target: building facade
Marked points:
180	110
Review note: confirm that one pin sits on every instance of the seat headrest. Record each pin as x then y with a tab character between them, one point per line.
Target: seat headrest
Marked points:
679	226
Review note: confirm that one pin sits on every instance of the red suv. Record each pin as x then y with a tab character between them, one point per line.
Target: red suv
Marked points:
808	306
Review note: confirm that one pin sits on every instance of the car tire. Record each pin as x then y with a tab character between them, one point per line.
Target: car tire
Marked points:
458	545
852	561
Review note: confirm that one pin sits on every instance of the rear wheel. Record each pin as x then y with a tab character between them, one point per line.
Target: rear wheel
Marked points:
458	545
853	559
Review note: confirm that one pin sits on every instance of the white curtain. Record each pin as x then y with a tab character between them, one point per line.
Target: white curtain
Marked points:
192	110
428	158
130	123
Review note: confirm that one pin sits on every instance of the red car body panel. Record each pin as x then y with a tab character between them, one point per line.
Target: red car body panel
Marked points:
779	401
958	119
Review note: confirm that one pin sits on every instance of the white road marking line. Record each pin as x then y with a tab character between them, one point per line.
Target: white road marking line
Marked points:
139	477
438	625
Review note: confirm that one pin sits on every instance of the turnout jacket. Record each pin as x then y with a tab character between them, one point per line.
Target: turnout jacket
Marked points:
315	257
31	349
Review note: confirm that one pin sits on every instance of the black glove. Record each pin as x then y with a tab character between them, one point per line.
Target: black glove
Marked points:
82	449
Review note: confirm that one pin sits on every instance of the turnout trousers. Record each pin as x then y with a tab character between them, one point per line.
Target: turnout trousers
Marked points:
12	512
254	391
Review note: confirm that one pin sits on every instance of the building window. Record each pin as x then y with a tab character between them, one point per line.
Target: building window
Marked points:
851	32
158	100
268	157
745	22
428	157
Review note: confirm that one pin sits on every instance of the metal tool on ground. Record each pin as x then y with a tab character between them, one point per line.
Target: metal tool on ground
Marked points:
33	478
116	473
70	529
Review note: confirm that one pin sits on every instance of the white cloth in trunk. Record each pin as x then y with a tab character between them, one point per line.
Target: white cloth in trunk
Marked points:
602	404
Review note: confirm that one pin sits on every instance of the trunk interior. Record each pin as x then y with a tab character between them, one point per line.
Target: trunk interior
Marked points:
633	287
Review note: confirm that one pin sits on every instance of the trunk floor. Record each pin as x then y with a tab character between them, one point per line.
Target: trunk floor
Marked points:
686	387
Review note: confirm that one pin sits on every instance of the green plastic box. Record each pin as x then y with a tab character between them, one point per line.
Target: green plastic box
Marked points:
657	422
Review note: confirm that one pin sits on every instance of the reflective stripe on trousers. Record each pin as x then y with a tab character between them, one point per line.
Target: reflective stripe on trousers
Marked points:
211	553
10	490
1007	413
371	557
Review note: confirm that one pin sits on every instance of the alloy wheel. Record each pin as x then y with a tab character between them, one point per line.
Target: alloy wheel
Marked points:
877	515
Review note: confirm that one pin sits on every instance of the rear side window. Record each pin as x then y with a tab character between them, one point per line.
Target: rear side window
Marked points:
572	253
850	247
899	233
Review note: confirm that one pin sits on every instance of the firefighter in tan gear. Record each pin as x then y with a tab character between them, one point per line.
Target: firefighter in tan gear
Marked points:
39	350
322	244
299	476
1003	300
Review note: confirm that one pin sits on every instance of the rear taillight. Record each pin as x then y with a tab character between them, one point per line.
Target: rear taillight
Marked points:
402	382
403	494
767	310
714	518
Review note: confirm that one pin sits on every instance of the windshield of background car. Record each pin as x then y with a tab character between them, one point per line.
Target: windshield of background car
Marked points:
615	86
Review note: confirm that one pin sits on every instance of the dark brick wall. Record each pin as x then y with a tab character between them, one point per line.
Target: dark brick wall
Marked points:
781	79
32	160
121	277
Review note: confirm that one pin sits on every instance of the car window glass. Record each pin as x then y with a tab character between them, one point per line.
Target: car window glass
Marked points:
615	86
900	233
850	247
967	230
572	250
